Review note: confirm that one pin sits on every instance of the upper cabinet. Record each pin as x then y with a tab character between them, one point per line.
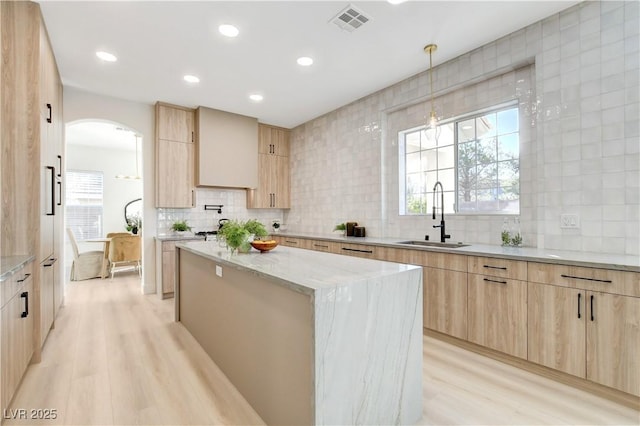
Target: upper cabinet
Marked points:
273	189
226	149
175	156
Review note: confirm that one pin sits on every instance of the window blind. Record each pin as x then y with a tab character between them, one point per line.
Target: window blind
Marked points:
84	203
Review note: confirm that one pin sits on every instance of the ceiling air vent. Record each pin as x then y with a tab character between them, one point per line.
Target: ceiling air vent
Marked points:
350	18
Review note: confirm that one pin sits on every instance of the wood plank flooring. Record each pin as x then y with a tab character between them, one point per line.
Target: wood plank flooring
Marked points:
117	357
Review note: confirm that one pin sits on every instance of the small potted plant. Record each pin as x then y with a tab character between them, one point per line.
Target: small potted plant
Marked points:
134	224
238	235
341	227
180	226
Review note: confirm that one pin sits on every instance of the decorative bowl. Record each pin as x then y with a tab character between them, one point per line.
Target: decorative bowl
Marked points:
263	245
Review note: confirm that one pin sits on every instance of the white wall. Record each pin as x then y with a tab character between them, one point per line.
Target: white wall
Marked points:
81	105
117	192
584	155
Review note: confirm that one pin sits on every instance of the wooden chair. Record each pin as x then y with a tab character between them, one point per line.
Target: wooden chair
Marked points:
86	265
125	251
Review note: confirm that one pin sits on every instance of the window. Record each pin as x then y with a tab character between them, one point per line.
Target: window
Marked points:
84	203
476	158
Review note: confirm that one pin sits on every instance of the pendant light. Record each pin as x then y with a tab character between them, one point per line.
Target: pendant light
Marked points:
432	130
137	176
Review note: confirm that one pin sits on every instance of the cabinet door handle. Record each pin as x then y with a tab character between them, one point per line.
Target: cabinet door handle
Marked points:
495	281
25	296
274	199
193	198
586	279
25	278
320	245
290	242
59	203
192	137
59	166
592	317
496	267
52	193
49	119
579	297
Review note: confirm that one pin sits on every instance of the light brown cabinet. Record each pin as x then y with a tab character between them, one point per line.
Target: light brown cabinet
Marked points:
226	149
273	189
497	304
445	301
175	156
584	332
166	266
16	333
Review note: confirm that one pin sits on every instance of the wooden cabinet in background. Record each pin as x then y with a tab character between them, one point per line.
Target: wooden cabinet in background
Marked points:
273	189
497	304
16	334
166	266
577	329
175	156
445	301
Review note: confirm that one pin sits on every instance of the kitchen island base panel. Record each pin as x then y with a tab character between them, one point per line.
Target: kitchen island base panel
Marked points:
349	352
259	335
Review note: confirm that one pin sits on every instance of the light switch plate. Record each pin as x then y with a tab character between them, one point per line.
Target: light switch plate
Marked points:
569	221
219	271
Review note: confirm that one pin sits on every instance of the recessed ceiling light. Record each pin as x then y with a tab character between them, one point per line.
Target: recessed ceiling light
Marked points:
106	56
191	79
256	97
228	30
396	1
305	61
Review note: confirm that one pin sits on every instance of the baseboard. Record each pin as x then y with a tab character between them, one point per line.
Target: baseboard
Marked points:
611	394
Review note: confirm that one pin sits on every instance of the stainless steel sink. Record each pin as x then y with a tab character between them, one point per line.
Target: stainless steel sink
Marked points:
433	244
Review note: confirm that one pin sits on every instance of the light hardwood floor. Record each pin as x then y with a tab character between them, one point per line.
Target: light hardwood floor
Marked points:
117	357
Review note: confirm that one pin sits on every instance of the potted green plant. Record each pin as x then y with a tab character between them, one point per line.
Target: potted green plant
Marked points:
134	224
237	234
180	226
341	227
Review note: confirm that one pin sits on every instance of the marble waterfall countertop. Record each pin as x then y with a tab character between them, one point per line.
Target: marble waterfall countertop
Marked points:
532	254
187	236
300	270
10	264
357	325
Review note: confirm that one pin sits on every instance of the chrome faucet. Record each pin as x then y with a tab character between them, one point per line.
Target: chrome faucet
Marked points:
443	233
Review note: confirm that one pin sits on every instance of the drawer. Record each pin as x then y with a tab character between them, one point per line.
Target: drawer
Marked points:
502	268
359	250
596	279
13	284
319	245
293	242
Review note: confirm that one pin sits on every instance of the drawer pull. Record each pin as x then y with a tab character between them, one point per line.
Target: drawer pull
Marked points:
320	245
290	242
586	279
579	297
356	250
495	281
25	278
496	267
592	317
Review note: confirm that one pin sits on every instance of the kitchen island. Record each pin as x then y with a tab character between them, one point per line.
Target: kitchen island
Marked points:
307	337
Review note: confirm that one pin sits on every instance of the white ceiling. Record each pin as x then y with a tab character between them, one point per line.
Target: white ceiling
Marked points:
158	42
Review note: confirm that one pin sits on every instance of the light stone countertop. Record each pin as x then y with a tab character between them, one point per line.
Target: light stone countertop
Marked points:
301	270
10	264
532	254
189	236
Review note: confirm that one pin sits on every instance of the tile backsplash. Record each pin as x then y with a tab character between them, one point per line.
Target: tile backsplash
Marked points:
576	78
234	203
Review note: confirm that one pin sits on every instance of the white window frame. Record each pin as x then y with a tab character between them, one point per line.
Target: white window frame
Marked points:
402	135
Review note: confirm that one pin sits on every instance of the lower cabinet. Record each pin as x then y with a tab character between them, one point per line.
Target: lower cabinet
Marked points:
588	334
445	301
17	340
166	266
47	297
497	310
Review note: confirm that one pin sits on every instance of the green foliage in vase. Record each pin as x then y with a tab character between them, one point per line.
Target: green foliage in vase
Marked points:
340	227
517	240
180	226
256	228
506	238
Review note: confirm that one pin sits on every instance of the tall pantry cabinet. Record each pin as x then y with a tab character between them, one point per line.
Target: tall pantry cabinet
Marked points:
32	127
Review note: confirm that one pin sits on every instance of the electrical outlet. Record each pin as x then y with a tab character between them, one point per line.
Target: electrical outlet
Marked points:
219	271
569	221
